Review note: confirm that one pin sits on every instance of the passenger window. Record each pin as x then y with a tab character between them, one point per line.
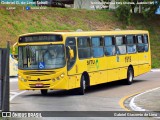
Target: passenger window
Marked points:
140	44
145	43
121	47
83	42
109	46
84	50
120	40
139	39
97	47
131	44
145	39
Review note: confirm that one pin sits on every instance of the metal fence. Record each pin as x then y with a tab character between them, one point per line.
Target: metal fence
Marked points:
4	78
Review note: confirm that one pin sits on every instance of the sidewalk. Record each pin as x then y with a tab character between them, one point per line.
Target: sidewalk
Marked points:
147	101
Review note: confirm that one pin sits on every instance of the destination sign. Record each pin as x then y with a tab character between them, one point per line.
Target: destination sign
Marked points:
40	38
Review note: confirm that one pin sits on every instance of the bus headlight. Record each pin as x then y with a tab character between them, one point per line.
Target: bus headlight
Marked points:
22	79
62	75
58	78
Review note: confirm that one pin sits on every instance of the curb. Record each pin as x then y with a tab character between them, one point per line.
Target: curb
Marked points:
132	103
155	70
13	79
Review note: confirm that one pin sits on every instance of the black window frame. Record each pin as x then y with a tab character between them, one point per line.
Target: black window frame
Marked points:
140	43
101	45
134	43
146	43
124	44
89	47
113	45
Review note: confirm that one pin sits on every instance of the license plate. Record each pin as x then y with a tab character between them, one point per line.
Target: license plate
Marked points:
39	84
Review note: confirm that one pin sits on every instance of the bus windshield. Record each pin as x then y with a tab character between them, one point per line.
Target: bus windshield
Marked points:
41	57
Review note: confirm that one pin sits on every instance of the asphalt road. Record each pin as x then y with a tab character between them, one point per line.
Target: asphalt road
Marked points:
104	97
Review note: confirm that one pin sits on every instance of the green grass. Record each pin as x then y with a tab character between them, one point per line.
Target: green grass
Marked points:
19	21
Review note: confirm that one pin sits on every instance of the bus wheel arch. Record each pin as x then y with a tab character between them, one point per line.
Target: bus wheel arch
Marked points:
87	79
84	82
130	75
131	67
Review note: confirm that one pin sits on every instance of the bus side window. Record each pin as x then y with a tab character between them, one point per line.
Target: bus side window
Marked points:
97	47
140	44
84	49
120	45
71	42
131	44
145	40
109	46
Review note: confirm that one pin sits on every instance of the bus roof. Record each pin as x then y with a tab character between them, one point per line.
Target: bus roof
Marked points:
91	33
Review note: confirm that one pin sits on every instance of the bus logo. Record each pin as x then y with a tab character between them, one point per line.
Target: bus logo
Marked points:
41	65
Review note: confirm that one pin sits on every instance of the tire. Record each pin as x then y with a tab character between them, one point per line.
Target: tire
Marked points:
82	88
130	76
44	92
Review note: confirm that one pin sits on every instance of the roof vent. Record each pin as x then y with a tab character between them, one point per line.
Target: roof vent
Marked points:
117	29
79	30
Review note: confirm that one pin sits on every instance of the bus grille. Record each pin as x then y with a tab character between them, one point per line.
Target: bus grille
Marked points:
44	86
39	73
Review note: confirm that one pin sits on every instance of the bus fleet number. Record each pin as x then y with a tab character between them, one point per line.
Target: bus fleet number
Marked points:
128	59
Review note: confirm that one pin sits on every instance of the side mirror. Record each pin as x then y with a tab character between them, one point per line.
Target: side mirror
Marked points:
71	53
14	55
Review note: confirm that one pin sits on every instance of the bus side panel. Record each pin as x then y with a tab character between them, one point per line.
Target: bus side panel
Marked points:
122	67
112	68
136	73
141	63
86	66
71	77
72	82
147	61
100	67
144	62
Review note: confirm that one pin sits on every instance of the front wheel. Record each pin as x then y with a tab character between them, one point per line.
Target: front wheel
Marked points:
82	88
130	75
44	92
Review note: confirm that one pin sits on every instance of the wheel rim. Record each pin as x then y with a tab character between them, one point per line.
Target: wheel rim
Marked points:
84	84
130	76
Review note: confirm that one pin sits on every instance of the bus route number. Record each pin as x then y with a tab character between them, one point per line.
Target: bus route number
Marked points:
128	59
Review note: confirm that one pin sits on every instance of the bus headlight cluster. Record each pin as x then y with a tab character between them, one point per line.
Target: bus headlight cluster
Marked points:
58	78
62	75
22	79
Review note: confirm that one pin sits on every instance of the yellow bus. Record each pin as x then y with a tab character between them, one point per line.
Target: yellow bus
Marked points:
64	60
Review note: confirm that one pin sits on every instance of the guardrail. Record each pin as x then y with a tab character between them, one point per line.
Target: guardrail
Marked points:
4	78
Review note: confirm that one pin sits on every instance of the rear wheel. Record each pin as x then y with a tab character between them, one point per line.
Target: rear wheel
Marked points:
44	92
82	88
130	76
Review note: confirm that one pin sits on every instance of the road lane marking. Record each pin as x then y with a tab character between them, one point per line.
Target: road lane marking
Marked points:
121	102
15	94
132	102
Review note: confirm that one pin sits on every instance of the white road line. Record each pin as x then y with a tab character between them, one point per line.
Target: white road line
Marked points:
137	108
132	102
16	94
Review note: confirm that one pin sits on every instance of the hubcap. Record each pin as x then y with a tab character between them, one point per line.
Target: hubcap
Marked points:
130	76
84	84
